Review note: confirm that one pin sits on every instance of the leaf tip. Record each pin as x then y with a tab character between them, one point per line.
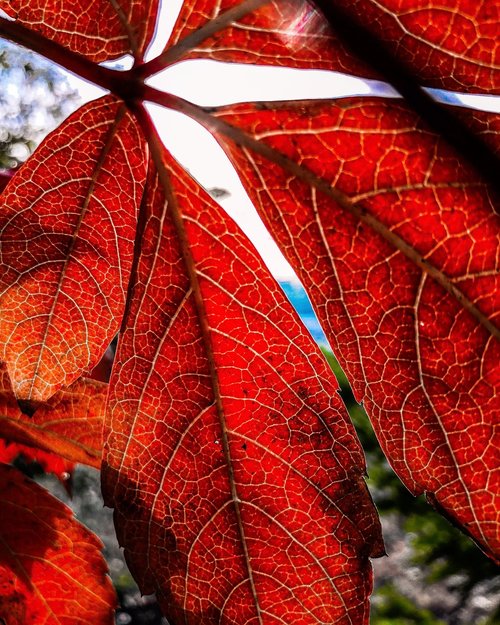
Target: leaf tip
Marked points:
27	406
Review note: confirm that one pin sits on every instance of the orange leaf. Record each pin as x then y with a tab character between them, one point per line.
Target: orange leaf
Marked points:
51	568
62	294
395	239
233	468
69	424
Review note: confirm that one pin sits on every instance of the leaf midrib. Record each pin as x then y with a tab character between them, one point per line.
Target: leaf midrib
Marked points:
190	264
111	133
241	138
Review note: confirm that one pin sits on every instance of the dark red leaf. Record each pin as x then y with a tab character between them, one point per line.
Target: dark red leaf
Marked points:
67	222
5	177
396	242
445	45
234	471
101	30
450	47
51	567
102	370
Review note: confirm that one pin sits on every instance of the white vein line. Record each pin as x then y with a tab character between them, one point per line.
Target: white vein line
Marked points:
287	385
319	564
198	536
152	361
337	279
159	490
435	412
240	304
318	490
430	44
276	581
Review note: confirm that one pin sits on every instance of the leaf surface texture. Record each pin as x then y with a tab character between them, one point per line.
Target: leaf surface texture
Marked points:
69	424
101	30
396	242
53	569
67	222
452	46
234	471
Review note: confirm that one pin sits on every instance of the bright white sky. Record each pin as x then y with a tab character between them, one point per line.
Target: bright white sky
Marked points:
211	83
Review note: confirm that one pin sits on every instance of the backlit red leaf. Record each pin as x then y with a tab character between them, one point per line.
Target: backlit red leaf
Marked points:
450	47
101	30
285	32
234	471
51	567
69	424
67	222
446	45
396	241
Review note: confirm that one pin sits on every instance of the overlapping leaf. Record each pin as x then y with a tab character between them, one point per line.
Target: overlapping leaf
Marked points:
234	472
67	222
291	33
450	47
396	242
52	571
236	479
69	424
49	462
101	30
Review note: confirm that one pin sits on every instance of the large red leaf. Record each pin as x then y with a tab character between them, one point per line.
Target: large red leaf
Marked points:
396	241
67	222
450	47
68	424
234	471
51	567
100	30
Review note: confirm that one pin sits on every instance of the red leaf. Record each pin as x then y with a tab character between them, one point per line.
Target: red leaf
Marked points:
101	30
69	424
449	47
51	568
8	451
49	462
5	177
396	242
290	33
234	471
62	294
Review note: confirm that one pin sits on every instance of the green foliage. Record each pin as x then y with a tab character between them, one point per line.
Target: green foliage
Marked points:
392	608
